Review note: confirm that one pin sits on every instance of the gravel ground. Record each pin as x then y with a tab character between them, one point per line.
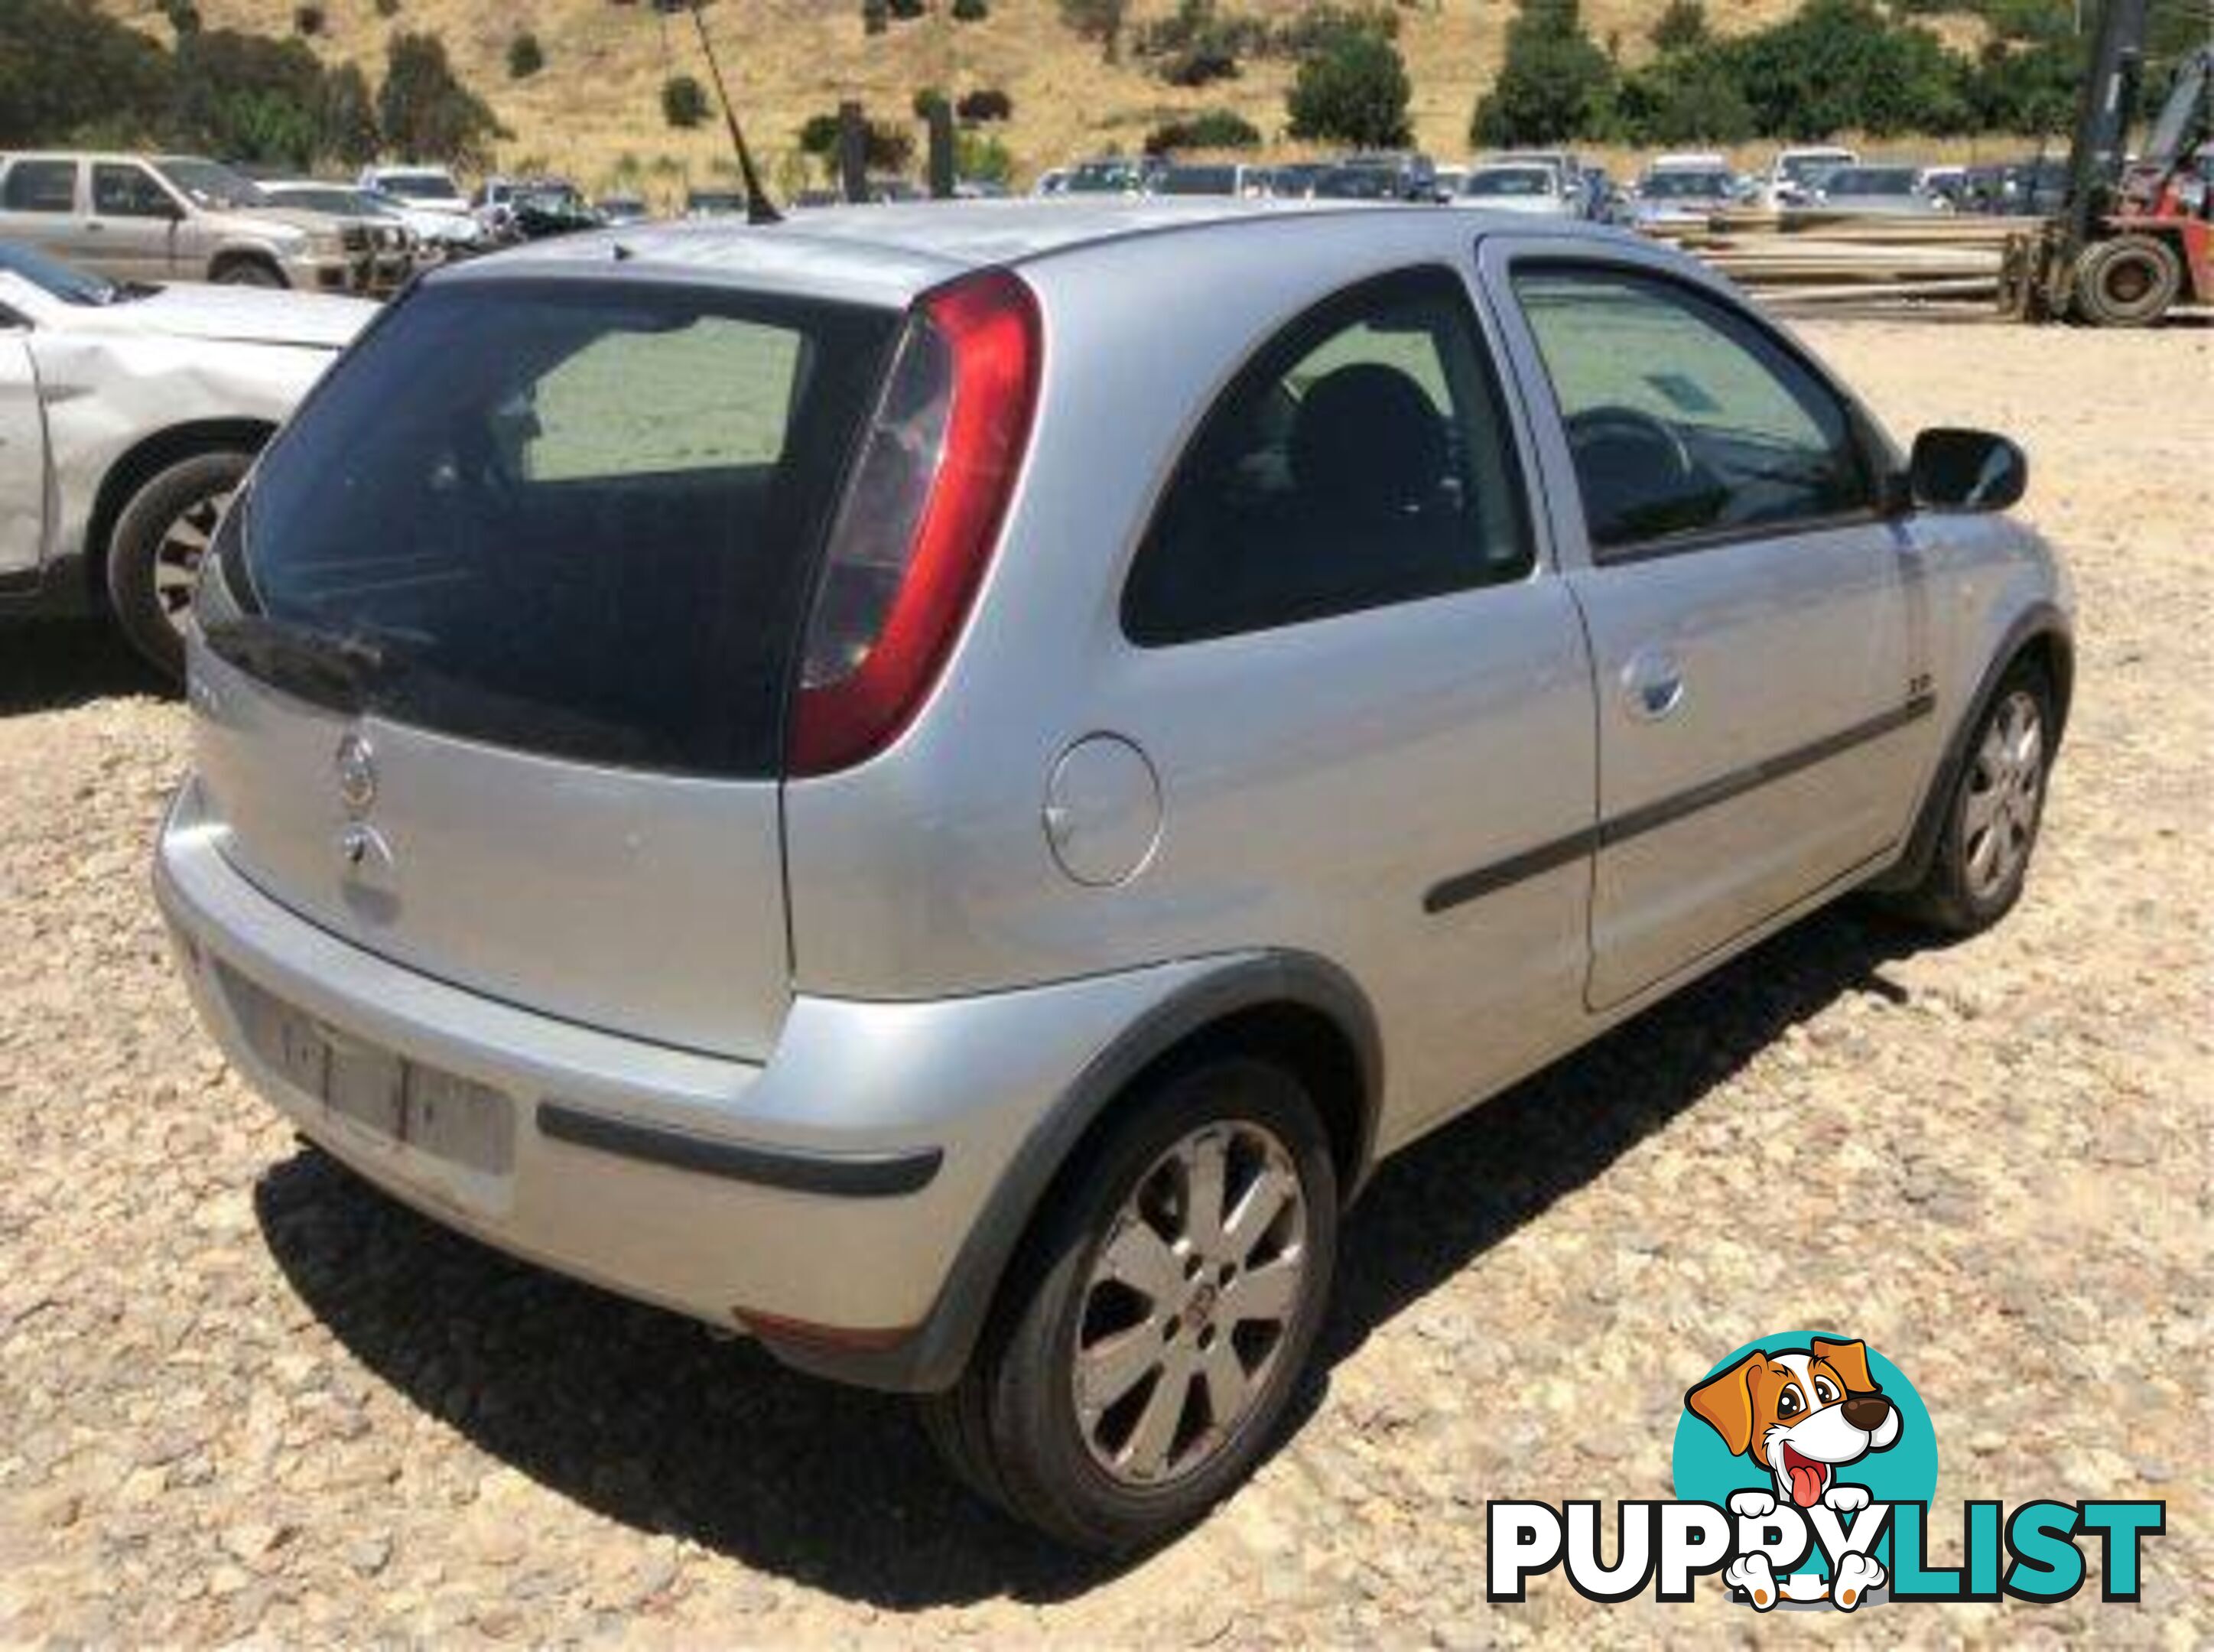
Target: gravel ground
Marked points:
244	1397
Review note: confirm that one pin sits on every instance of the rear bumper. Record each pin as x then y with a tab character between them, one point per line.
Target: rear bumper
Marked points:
822	1199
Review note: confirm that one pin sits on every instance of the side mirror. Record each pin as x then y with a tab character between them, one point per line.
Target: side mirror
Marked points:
1966	470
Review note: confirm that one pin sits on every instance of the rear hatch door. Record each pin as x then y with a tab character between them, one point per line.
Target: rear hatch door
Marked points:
496	651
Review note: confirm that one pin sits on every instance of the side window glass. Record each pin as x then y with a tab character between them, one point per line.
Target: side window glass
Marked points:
40	187
126	192
1362	458
1685	418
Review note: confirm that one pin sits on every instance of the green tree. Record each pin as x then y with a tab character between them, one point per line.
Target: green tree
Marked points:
1097	19
525	57
1686	97
1556	84
423	110
1215	129
683	101
64	64
1681	28
1355	90
346	118
247	97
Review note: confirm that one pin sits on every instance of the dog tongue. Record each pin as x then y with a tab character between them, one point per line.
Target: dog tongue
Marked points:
1806	1484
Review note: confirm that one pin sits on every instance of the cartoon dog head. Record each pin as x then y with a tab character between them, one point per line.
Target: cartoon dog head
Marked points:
1801	1414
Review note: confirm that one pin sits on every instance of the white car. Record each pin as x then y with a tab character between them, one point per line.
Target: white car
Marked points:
129	413
1794	176
1531	188
430	203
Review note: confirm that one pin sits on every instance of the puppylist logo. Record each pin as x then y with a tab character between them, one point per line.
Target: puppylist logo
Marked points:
1804	1466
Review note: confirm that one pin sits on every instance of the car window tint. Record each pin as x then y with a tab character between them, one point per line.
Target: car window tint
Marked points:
40	187
1362	458
604	411
126	192
1683	416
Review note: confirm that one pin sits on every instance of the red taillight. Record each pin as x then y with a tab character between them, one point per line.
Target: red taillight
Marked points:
920	517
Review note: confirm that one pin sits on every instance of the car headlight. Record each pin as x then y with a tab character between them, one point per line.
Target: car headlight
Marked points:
326	243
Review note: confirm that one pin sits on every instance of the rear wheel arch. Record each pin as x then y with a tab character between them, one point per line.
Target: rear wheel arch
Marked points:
148	459
1292	1009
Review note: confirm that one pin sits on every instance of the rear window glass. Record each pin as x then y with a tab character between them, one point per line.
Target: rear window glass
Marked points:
567	517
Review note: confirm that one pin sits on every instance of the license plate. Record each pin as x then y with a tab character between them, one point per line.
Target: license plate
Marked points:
431	1110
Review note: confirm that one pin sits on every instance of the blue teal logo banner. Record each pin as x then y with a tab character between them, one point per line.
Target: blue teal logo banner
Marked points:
1805	1472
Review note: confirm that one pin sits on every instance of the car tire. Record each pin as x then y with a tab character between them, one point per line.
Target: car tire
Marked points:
1128	1290
2130	281
154	555
1991	821
248	272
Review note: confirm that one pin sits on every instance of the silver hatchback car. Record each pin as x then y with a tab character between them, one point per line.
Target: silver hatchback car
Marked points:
938	785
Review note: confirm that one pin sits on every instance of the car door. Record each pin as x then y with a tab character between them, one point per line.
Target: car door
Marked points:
22	455
133	221
1759	636
1366	690
39	205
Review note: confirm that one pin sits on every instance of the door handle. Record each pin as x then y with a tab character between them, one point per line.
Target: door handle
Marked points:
1653	684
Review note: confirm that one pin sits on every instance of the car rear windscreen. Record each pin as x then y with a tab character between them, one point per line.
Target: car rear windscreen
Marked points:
573	518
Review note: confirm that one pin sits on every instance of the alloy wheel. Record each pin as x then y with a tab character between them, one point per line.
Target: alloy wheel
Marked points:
178	554
2006	786
1189	1303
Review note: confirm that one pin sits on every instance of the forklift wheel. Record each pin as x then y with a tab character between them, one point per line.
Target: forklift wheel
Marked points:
2130	281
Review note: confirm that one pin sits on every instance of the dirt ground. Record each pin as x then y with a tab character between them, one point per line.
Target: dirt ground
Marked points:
242	1397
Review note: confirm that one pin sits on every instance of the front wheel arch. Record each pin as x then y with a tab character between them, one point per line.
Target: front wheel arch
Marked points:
141	463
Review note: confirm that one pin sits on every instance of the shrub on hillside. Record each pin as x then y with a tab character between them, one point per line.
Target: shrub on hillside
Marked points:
876	16
683	101
424	110
924	100
1355	90
1097	19
905	11
970	11
1556	83
182	16
346	118
525	57
307	20
1681	26
986	104
1216	129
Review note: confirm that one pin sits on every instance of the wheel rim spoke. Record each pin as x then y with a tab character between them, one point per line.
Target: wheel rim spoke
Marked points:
1108	1370
1206	1168
1998	817
1146	1456
1265	1294
1141	1259
1228	1388
1266	1194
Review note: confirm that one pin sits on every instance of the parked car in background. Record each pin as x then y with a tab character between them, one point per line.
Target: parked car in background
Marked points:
1794	175
1034	786
2035	187
1294	181
1344	183
175	218
980	189
1564	163
537	213
1682	196
1052	181
1413	175
615	210
396	251
1522	187
731	203
128	413
432	204
1202	178
1888	188
498	199
1112	175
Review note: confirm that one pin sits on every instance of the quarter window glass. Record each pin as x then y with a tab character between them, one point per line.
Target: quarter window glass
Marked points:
40	187
1683	417
127	193
1363	458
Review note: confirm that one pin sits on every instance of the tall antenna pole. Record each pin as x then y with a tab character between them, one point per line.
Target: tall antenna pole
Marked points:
759	210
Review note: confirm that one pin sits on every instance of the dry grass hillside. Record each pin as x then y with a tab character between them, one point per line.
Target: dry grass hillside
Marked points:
594	110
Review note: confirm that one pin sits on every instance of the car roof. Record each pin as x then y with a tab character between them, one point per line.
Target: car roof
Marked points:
887	253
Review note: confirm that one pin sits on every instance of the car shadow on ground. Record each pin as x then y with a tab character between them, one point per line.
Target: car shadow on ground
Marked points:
643	1418
52	665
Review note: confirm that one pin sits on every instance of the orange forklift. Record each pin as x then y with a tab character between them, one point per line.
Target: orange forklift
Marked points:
2133	238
